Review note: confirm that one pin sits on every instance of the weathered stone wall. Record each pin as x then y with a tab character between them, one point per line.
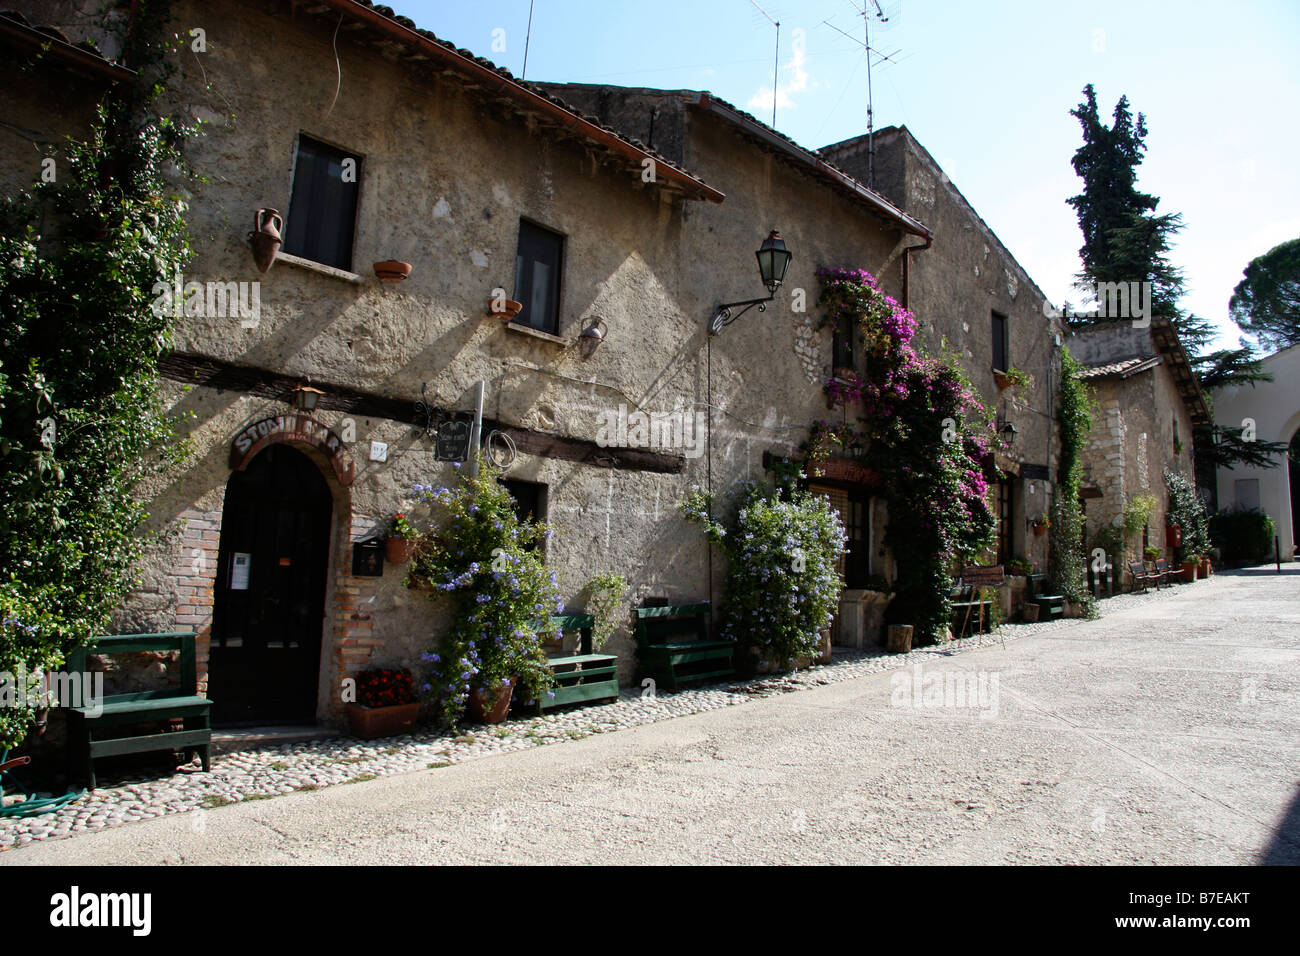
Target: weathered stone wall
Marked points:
443	186
1131	446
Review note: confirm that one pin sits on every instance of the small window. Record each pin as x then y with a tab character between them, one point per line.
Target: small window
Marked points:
537	277
1006	532
1000	359
529	498
1246	492
842	352
323	207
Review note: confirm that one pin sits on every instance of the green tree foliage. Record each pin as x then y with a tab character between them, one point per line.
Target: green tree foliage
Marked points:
1266	303
1186	511
1123	239
1243	535
81	422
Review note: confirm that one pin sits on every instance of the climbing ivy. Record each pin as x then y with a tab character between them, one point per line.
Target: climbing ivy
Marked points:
81	421
1066	560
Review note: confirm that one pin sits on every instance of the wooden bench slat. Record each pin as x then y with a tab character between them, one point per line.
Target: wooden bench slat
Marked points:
176	740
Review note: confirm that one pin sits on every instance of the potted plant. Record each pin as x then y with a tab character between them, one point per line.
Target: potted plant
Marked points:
1207	566
1151	553
385	704
1020	566
1041	524
484	559
1189	565
400	543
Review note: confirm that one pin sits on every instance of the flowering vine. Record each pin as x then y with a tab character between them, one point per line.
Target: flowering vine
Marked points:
929	439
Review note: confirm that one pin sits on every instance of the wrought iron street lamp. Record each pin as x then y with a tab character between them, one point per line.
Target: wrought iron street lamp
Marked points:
773	261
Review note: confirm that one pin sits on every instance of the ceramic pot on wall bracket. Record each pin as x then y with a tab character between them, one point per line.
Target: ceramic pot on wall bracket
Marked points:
266	237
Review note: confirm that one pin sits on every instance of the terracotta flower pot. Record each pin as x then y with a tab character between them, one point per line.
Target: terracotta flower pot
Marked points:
512	309
1040	530
1029	613
398	550
265	237
392	270
1207	568
1189	571
371	722
484	709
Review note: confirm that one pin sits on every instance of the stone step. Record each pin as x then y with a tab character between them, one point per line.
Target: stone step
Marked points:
232	740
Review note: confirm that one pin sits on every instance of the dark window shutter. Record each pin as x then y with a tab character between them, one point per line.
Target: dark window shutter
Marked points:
1000	359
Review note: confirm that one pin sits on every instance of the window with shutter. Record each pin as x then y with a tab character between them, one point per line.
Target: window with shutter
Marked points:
323	208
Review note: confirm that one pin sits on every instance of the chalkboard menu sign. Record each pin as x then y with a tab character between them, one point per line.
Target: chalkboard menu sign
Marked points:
452	440
368	558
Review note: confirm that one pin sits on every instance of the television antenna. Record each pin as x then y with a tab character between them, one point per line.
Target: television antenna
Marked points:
867	13
776	56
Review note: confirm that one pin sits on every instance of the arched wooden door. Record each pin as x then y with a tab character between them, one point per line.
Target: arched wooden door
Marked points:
270	594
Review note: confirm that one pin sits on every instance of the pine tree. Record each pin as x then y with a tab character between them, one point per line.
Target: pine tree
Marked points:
1125	241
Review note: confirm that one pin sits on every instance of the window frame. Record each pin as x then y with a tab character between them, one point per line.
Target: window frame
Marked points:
303	252
556	309
1001	343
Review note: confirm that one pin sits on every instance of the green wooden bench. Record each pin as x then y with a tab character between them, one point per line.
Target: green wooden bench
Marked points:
90	736
583	677
673	646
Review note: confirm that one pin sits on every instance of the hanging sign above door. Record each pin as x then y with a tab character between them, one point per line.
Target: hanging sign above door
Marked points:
293	428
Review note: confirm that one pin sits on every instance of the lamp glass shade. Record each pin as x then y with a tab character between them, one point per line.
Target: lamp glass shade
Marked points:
1009	433
305	397
773	259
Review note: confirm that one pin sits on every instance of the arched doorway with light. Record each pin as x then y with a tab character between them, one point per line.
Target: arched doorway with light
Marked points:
269	601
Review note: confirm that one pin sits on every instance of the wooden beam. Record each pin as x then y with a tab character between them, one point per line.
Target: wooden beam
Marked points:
191	369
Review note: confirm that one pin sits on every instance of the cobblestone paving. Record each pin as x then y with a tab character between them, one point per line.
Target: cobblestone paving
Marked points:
271	771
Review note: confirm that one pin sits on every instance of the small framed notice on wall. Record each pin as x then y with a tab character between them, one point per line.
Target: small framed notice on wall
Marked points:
241	563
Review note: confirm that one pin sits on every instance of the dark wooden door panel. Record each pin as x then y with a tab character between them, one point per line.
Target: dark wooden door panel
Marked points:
266	634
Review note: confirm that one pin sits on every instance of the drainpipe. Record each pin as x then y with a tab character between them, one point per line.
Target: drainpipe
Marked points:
907	268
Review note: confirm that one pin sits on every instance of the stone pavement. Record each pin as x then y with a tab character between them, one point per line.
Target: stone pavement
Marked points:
1164	732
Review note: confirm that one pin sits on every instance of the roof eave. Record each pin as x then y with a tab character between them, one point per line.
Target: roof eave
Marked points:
820	166
75	57
690	186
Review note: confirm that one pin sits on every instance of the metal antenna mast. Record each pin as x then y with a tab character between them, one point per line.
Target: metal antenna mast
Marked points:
528	37
866	14
776	56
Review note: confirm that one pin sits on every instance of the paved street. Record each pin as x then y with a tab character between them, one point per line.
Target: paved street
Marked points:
1165	733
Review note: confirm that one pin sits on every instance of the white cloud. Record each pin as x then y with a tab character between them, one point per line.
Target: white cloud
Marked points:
796	80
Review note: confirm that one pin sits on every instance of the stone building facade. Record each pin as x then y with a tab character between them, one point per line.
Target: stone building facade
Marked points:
972	297
1147	401
1272	410
418	152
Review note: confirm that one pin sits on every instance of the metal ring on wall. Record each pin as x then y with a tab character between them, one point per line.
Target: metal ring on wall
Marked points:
510	448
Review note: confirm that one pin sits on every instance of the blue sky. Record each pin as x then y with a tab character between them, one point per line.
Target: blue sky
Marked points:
986	87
